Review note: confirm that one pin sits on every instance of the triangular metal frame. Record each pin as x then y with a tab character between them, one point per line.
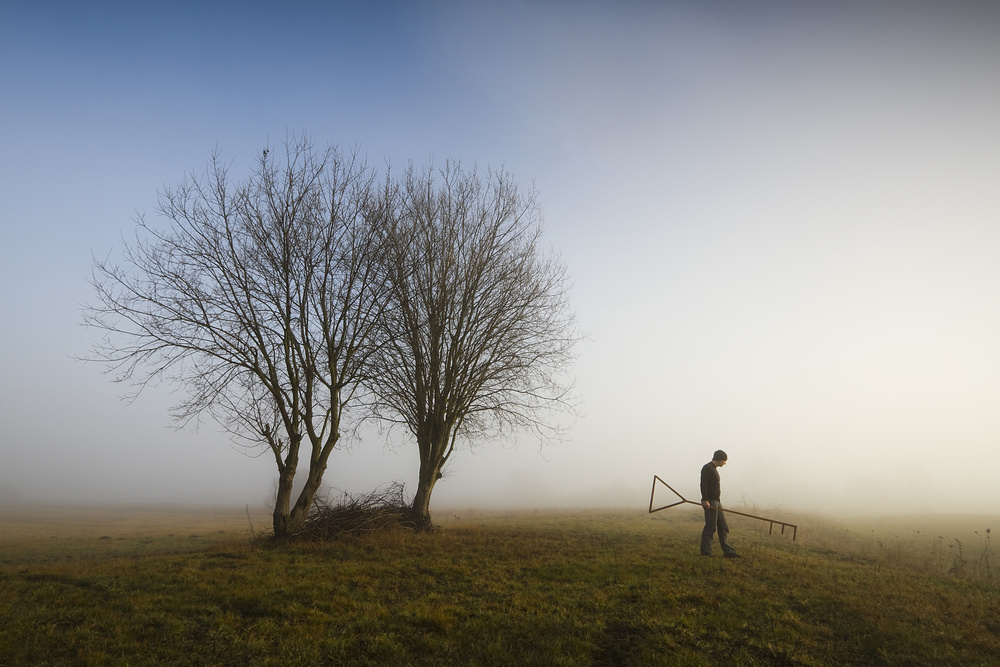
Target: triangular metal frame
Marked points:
679	502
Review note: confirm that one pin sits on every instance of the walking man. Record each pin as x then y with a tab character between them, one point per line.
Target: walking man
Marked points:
711	500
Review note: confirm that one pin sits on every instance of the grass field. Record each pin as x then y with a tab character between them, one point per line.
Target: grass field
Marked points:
141	586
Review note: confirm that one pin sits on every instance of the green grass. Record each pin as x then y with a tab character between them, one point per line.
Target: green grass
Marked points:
544	588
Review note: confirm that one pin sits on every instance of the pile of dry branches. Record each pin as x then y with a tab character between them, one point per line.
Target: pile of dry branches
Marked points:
382	509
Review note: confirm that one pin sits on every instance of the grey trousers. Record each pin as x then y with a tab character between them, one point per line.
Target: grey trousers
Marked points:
715	519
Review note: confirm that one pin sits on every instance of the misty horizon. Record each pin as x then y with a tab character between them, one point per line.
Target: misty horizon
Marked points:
779	223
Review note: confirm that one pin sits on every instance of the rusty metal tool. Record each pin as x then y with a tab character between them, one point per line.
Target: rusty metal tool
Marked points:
656	478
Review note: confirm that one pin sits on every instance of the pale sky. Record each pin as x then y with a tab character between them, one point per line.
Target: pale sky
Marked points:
781	221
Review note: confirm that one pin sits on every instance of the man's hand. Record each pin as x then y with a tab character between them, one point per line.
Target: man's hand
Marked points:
707	505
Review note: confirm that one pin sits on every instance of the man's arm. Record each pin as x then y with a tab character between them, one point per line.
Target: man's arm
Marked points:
704	489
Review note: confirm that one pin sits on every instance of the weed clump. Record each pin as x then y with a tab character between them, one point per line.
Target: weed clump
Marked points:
384	509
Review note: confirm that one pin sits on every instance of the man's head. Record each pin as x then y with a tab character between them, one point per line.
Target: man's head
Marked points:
719	458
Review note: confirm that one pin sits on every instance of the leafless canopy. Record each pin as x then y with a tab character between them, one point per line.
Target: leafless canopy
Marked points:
479	334
259	299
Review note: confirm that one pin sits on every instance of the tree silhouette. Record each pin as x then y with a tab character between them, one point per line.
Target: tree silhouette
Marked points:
260	299
478	335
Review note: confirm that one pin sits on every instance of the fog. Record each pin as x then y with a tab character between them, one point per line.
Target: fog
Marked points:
780	222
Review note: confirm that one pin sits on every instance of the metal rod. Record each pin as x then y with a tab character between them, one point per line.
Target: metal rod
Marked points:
656	478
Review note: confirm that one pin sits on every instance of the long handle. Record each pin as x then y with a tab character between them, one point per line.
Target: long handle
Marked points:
783	524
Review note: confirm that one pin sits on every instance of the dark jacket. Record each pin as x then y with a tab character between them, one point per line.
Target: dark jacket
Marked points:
711	484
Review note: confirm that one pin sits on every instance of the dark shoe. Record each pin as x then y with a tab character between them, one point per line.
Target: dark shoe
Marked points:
733	554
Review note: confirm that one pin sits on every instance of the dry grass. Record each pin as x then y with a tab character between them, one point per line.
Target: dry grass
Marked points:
39	533
526	588
958	546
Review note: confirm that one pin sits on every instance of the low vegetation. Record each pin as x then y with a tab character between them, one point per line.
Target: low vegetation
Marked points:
384	509
537	588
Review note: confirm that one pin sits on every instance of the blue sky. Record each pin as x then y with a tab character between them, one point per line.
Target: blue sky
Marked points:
781	223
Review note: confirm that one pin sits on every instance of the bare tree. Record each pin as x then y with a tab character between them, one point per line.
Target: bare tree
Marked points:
259	298
479	334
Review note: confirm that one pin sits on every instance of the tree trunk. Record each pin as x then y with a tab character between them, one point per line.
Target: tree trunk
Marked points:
304	502
429	475
289	522
282	521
